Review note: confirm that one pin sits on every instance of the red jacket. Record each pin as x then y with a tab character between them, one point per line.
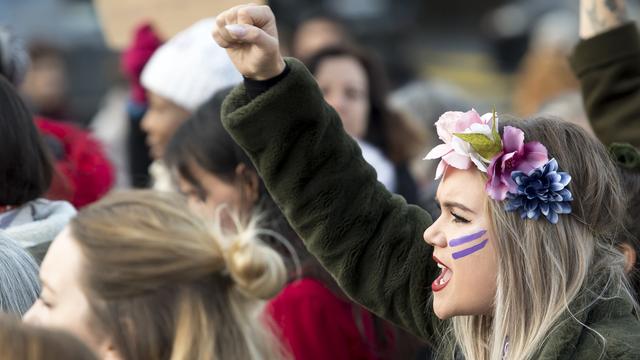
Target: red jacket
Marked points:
314	323
83	173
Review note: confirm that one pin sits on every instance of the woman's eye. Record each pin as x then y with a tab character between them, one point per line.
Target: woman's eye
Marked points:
458	219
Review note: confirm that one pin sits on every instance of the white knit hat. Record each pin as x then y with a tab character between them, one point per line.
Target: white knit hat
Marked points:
190	67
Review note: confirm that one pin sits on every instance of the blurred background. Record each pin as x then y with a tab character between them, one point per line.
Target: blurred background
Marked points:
437	55
476	46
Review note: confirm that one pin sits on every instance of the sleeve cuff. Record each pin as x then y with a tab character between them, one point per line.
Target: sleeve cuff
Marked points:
255	88
605	48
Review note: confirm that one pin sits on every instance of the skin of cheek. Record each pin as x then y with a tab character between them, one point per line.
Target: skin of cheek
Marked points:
471	289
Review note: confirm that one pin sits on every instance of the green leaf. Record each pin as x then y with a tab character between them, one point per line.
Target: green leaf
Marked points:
482	144
494	128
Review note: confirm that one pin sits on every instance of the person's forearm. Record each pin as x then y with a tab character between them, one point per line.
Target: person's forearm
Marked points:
367	238
598	16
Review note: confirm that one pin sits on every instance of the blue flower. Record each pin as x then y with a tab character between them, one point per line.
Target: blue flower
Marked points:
541	192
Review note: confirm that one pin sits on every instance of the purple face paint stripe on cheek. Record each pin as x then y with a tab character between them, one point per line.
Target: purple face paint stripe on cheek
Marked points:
469	251
465	239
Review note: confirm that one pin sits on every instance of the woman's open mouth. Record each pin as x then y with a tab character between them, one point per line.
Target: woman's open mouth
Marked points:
443	279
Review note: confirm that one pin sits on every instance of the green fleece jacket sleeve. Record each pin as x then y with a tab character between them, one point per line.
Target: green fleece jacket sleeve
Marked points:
608	68
368	239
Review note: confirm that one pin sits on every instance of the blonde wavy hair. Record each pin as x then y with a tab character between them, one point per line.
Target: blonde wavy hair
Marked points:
549	274
165	285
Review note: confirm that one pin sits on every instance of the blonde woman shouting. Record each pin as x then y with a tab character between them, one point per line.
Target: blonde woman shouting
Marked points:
520	265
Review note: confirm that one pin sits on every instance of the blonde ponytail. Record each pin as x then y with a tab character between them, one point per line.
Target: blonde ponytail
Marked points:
195	289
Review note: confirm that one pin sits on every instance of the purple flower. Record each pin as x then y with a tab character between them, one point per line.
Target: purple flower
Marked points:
515	156
542	191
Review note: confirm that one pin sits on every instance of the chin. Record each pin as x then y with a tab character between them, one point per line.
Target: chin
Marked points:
442	311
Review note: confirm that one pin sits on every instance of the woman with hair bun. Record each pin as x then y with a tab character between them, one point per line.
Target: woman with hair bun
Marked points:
137	276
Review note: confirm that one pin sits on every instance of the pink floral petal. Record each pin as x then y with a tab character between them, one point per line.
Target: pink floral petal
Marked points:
446	125
486	118
497	191
438	152
468	118
495	187
458	161
512	139
440	170
537	153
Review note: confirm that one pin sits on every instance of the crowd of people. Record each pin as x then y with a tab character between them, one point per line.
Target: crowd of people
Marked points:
279	207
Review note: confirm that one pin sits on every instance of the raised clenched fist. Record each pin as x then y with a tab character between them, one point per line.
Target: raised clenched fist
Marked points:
249	34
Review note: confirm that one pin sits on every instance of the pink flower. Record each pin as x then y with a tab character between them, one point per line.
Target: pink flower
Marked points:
451	152
515	155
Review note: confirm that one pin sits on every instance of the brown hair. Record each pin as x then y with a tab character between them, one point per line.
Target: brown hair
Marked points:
397	136
164	285
27	342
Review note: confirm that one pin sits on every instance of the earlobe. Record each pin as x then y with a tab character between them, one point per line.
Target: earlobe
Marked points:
249	183
630	256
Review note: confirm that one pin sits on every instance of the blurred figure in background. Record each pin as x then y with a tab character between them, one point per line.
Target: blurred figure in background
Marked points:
19	284
180	76
20	341
45	85
117	122
138	276
317	31
544	72
354	84
25	176
145	42
82	172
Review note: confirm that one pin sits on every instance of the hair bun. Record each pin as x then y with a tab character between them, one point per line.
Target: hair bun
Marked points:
257	270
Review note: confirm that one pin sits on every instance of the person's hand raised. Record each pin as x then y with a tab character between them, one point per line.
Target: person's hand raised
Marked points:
249	34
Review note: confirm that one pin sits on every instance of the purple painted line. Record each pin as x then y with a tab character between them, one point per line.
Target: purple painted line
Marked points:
469	251
465	239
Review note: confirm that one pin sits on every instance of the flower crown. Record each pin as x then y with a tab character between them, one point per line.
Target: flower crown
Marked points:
517	172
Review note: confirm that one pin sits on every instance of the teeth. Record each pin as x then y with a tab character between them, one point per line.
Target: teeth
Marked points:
440	266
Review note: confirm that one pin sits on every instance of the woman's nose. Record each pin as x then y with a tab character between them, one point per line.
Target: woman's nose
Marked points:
434	237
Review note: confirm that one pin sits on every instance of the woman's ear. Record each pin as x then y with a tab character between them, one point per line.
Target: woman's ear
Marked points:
630	256
249	183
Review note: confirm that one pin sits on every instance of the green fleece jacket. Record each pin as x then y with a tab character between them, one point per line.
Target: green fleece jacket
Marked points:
608	68
370	240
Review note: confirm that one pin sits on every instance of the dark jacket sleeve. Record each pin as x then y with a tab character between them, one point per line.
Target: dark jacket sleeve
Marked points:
370	240
608	68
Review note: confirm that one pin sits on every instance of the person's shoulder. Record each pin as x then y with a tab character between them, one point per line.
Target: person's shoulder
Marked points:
615	337
306	292
306	287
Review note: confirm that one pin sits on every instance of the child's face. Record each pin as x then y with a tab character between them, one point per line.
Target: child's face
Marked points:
464	245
